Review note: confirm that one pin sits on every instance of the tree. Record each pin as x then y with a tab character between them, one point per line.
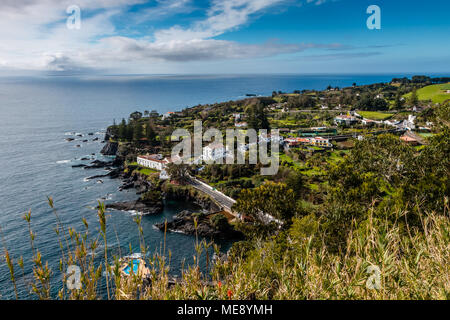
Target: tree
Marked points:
399	101
368	102
150	133
178	172
296	182
275	199
414	99
122	130
136	115
257	117
220	222
137	131
151	197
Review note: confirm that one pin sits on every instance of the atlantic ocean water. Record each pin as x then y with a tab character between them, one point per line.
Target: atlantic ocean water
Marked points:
37	114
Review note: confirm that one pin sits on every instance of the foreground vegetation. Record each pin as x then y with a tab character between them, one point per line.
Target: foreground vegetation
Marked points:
294	265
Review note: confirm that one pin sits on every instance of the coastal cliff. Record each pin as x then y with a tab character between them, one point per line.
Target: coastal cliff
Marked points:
110	148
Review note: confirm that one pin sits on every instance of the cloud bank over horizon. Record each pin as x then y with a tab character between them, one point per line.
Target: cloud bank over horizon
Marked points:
157	36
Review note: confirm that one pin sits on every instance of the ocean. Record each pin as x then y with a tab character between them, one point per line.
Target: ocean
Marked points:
37	114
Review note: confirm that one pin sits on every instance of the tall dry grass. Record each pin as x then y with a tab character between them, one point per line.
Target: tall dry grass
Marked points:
412	264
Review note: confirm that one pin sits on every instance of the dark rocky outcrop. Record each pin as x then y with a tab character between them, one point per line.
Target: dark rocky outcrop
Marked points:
109	134
69	139
110	149
140	206
96	164
78	166
137	181
184	223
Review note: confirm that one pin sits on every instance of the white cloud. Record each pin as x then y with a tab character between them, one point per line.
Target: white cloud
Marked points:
223	16
41	40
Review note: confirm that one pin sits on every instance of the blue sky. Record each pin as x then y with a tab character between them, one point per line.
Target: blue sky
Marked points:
225	36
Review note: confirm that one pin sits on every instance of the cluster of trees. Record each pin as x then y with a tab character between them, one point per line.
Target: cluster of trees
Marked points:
257	116
302	101
371	103
422	80
135	129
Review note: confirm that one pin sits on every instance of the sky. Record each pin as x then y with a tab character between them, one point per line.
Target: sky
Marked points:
223	36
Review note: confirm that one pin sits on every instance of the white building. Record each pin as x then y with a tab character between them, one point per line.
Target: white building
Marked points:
154	161
214	151
321	142
345	119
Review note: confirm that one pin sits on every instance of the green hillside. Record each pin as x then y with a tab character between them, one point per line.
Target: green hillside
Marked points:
436	93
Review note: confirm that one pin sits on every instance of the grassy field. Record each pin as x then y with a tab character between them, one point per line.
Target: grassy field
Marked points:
435	93
374	115
147	171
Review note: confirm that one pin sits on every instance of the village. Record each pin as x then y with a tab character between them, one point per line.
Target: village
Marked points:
315	139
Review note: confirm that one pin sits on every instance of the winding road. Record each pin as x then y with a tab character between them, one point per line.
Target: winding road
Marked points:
222	200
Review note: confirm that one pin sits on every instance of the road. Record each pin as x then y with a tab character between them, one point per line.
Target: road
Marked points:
222	200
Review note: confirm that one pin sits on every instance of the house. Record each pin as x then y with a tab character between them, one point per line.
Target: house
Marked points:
240	124
292	142
154	161
214	151
345	120
236	116
392	123
167	115
368	122
295	142
411	138
321	142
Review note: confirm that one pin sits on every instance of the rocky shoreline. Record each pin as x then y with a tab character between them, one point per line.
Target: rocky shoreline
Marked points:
138	206
151	194
184	222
